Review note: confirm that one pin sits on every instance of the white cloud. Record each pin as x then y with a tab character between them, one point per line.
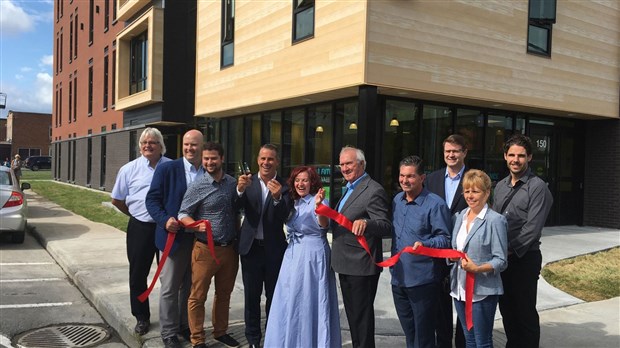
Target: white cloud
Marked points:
25	69
47	60
34	98
13	19
44	85
19	76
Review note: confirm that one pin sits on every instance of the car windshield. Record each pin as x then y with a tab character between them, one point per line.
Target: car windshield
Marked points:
5	178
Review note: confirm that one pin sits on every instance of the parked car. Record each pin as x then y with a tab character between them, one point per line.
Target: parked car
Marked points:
38	162
14	208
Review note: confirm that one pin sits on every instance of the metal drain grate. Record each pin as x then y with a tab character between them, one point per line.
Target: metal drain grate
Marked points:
64	336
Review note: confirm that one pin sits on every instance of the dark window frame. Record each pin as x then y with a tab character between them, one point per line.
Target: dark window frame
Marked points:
541	16
138	65
228	32
90	90
301	7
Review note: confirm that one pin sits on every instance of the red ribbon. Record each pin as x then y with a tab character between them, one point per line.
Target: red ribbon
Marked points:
421	250
168	247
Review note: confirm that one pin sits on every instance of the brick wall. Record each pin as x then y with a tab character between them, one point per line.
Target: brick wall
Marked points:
29	131
602	185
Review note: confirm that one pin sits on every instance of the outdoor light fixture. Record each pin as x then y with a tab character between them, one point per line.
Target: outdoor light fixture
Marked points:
319	129
394	122
353	126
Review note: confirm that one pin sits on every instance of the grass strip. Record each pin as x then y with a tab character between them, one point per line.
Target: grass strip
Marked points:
81	201
591	277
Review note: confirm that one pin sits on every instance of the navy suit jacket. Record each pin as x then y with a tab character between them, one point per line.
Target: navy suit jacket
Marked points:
436	183
274	217
164	198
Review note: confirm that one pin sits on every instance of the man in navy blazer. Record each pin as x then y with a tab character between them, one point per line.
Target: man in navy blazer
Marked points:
266	204
170	181
447	183
366	204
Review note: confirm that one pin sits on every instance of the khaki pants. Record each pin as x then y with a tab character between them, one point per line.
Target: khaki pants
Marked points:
204	268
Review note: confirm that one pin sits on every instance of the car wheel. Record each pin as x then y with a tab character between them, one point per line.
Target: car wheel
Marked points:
35	167
18	237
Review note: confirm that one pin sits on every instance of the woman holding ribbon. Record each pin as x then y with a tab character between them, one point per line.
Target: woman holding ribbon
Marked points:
481	233
304	311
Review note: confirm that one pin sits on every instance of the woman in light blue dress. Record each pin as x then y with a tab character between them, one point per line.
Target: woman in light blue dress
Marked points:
304	309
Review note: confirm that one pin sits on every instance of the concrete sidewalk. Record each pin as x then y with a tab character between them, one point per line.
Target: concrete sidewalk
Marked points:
93	256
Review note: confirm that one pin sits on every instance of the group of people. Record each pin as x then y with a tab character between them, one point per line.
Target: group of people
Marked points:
246	219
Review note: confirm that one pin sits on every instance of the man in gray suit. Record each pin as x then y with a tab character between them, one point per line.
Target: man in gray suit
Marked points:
366	204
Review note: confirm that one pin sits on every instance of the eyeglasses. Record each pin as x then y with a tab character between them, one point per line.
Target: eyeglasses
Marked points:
149	143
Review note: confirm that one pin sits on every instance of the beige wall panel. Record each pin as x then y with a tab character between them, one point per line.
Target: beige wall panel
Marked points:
268	67
477	50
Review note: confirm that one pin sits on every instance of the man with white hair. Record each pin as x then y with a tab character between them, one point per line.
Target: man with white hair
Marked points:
128	195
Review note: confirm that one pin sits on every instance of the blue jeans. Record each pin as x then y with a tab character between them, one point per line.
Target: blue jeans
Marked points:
416	308
483	312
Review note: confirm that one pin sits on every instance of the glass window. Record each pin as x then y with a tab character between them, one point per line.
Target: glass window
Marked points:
233	144
542	10
138	64
293	141
252	141
303	19
228	33
320	133
539	39
499	129
470	124
436	126
272	128
90	91
401	139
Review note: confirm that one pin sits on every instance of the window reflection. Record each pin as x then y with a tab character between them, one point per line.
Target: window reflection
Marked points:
401	139
470	124
499	129
436	126
293	141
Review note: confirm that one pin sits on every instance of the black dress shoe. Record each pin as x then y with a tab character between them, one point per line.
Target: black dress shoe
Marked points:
228	340
142	327
201	345
172	342
254	345
185	334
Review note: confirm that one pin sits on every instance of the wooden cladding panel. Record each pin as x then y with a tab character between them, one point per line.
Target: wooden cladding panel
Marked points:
477	50
267	66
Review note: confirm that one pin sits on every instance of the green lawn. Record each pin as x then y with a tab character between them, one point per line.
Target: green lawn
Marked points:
81	201
42	174
591	277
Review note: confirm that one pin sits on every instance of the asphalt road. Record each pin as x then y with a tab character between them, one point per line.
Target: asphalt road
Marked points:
36	293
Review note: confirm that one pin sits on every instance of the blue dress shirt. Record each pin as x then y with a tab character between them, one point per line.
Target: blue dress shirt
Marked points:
425	219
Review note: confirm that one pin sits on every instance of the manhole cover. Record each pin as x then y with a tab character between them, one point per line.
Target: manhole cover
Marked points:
63	336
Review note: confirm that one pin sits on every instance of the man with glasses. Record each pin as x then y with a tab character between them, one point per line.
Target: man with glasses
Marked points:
447	183
366	204
128	195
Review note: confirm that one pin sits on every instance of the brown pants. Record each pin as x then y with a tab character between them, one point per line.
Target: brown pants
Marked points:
204	268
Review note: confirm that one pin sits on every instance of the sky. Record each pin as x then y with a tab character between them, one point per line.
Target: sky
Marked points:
26	55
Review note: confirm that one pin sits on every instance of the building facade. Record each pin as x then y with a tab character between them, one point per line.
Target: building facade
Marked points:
115	64
395	78
28	134
391	77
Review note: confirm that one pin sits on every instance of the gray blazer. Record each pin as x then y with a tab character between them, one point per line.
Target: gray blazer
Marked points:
368	201
487	242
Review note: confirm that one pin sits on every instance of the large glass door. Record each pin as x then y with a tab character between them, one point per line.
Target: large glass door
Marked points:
556	150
